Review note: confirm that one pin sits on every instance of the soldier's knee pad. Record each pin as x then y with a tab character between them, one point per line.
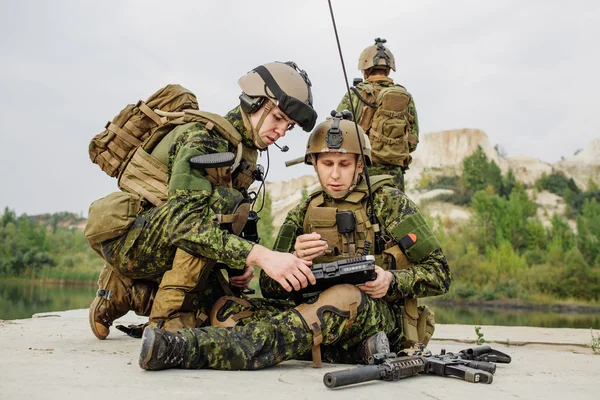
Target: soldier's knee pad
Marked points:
228	310
344	300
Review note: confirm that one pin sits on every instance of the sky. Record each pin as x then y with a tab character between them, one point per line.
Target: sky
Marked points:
524	72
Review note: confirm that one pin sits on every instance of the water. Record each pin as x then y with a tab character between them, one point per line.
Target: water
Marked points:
469	315
22	299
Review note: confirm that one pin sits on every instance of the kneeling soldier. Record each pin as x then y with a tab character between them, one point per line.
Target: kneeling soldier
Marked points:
264	332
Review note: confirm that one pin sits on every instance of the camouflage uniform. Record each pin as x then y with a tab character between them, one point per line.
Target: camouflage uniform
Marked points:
186	220
276	332
380	82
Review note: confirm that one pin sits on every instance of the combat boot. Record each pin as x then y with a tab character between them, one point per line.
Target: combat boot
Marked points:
374	344
161	349
115	297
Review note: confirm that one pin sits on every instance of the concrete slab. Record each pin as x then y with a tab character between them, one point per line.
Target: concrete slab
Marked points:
55	356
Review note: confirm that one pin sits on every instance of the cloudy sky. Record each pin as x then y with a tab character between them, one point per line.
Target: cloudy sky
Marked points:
525	72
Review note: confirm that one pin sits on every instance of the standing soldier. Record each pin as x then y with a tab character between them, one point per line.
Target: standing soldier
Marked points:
386	112
349	321
205	167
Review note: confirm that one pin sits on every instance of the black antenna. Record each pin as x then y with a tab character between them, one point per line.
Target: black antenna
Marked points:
372	216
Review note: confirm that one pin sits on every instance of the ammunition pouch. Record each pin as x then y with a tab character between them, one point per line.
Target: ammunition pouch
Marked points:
415	237
111	216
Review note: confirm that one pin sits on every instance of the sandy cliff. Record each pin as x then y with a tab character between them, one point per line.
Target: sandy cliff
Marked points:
442	153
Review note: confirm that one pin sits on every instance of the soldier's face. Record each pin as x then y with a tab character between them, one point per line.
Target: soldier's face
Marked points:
337	172
275	125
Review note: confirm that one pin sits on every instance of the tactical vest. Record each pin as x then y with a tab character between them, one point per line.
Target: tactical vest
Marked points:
321	218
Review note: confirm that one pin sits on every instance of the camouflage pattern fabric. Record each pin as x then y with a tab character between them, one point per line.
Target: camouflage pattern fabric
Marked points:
427	277
270	336
386	169
379	83
186	220
275	332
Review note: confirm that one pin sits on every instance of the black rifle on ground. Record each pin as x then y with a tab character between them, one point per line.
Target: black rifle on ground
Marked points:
356	270
389	367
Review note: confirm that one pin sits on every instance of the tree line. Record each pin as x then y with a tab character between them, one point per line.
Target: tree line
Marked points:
506	250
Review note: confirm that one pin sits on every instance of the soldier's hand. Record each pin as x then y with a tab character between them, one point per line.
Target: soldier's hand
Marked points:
291	272
309	246
379	287
243	281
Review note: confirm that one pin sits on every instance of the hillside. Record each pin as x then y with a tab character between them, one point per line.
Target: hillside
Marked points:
442	153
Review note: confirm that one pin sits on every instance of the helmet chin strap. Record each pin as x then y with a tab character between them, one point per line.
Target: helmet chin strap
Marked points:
255	130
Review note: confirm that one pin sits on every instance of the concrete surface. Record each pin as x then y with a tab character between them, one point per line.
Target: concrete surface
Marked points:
55	356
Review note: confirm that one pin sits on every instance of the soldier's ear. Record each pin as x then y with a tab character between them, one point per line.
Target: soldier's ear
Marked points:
360	165
313	158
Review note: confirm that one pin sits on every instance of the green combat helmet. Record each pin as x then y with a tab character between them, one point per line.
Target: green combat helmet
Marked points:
377	56
286	85
337	134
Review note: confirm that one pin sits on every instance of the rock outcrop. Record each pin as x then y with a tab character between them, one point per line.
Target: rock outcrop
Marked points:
442	153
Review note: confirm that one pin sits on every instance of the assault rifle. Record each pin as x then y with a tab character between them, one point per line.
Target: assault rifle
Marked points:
355	271
468	364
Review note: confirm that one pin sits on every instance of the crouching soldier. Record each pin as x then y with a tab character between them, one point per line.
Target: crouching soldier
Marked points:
191	214
344	319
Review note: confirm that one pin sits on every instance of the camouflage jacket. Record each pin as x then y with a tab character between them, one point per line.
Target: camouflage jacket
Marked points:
189	212
380	82
428	276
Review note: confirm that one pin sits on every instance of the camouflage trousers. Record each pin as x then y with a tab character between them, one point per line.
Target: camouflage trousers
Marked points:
275	332
146	252
386	169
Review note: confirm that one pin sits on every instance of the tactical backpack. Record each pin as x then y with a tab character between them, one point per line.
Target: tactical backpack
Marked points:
388	124
112	148
125	149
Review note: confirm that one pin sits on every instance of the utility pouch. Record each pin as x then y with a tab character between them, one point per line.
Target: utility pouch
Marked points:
111	216
323	221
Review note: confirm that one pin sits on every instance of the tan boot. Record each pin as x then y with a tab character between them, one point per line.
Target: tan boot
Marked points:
115	297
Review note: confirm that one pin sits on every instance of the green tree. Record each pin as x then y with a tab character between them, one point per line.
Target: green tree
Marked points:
303	194
508	183
494	177
265	223
475	169
588	231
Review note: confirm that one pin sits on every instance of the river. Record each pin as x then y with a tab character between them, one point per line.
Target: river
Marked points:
21	299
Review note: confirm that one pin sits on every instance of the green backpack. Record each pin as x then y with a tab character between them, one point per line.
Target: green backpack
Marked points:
388	125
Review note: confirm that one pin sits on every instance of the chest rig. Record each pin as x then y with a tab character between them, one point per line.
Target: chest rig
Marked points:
324	216
321	218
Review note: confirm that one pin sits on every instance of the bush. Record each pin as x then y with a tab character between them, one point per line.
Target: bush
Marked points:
464	290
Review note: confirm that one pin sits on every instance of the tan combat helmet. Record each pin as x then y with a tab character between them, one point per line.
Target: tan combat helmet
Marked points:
286	85
338	134
377	56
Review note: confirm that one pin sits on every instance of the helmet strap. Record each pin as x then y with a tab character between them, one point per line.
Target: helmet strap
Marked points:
255	130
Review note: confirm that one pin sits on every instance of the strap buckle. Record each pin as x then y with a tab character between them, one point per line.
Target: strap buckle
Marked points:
105	294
